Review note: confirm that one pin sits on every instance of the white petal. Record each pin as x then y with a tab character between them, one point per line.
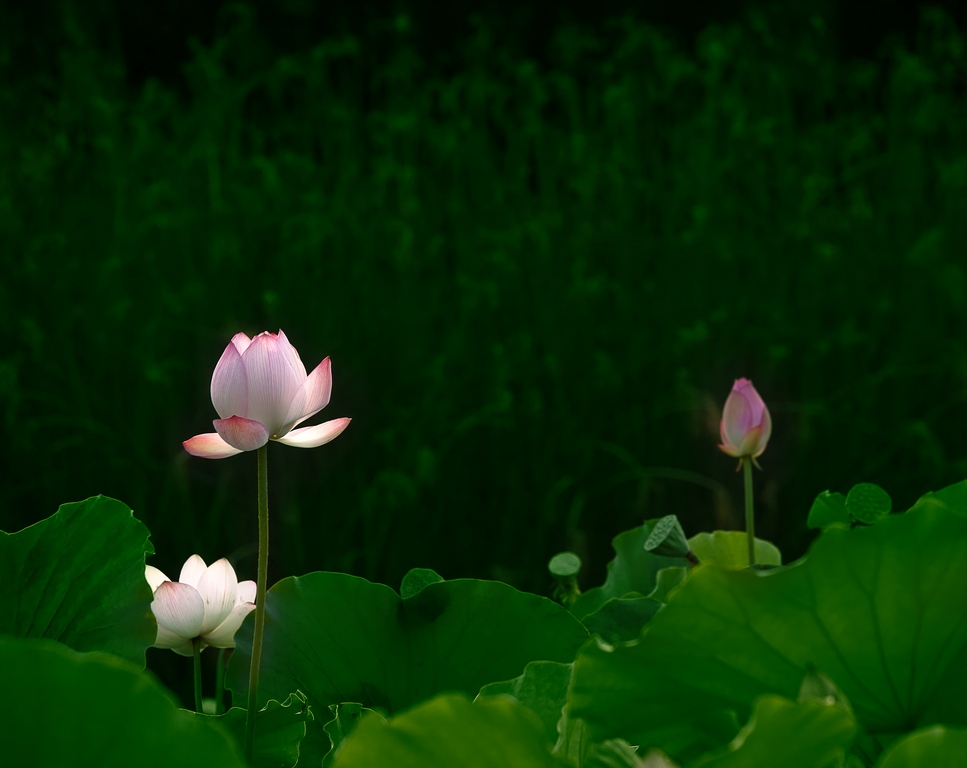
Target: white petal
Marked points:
223	636
209	446
272	383
218	588
242	434
312	437
247	591
291	356
192	571
313	397
168	639
230	383
154	577
187	650
179	608
241	342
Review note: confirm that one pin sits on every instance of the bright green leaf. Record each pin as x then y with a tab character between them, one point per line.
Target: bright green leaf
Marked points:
935	747
78	578
621	618
666	580
279	728
449	731
345	718
542	688
417	578
953	499
805	734
95	710
341	638
828	509
615	753
573	740
878	610
730	550
633	569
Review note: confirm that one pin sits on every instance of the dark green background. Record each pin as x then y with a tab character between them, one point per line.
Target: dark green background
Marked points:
538	256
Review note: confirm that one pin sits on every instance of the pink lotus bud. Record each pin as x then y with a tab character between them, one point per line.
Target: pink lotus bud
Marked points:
207	602
261	391
746	425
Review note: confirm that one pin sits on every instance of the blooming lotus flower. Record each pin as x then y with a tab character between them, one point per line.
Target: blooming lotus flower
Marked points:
206	602
746	424
261	391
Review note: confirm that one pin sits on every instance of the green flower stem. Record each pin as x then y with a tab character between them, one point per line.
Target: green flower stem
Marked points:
749	516
219	681
263	575
196	652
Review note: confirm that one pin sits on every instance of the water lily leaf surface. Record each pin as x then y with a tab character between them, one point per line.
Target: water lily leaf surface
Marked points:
804	734
339	638
78	578
279	730
936	747
449	731
95	710
879	610
633	569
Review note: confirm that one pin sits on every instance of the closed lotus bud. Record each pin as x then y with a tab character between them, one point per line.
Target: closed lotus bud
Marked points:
746	424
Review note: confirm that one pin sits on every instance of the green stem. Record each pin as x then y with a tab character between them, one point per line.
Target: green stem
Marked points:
749	516
263	575
196	652
219	681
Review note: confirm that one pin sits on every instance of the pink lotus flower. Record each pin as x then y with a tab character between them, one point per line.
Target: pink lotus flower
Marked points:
746	424
261	391
206	602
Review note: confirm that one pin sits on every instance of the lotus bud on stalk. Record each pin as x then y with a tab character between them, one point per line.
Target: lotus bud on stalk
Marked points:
746	424
746	427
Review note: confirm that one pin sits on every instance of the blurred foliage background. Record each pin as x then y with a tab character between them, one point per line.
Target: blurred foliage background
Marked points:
537	269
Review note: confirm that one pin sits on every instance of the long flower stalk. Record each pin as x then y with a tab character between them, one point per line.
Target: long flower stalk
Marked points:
745	428
220	681
749	515
196	652
263	574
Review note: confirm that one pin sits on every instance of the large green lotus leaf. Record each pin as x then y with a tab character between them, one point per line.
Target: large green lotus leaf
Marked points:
542	688
829	509
78	578
615	753
95	710
633	569
346	717
879	610
803	734
279	729
953	498
340	638
621	619
573	740
936	747
730	550
448	731
667	580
